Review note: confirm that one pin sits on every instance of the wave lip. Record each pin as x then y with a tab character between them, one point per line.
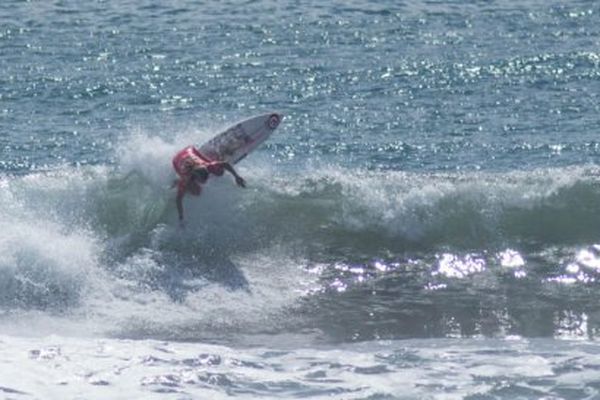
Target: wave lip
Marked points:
404	211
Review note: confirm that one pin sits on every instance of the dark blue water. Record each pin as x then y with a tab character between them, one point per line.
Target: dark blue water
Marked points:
435	175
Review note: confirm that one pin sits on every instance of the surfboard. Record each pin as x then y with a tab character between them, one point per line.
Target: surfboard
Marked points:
239	140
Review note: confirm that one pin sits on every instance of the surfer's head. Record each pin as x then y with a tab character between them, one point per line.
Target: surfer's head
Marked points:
200	173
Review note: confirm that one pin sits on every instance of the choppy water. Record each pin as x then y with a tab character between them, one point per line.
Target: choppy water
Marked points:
425	223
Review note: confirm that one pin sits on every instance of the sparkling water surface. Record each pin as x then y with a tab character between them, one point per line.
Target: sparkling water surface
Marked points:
423	224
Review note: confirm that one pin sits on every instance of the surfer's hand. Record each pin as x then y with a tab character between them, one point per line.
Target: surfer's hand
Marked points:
240	181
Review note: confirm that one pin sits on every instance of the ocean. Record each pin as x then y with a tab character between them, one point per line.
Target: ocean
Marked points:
424	224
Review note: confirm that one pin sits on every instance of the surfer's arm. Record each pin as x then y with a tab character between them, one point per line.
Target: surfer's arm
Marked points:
238	179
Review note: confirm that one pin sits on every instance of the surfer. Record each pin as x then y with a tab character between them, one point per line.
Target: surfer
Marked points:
193	170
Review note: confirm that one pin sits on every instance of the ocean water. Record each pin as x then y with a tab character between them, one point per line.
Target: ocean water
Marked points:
424	224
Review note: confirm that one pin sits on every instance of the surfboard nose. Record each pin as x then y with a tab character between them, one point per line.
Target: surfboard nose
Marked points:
274	120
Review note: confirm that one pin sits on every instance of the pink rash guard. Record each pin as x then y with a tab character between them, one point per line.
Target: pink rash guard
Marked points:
185	161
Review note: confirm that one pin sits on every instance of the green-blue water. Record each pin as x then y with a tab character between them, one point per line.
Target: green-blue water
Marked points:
434	181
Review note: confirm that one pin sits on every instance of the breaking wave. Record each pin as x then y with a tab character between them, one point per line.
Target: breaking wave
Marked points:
102	245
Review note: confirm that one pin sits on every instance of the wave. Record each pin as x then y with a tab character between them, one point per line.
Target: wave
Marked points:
406	211
333	210
314	206
101	243
329	208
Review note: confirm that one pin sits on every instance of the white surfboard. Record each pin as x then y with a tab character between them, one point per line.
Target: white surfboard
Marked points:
236	142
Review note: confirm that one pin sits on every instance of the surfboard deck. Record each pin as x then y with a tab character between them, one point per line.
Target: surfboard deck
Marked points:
237	141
